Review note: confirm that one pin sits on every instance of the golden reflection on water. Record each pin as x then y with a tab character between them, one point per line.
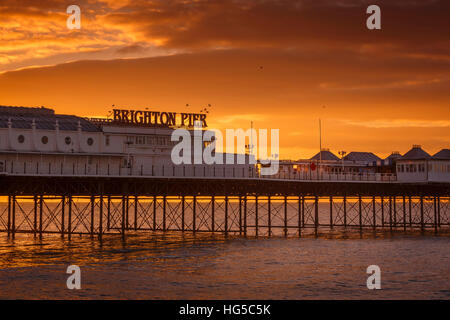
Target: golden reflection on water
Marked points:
175	265
27	250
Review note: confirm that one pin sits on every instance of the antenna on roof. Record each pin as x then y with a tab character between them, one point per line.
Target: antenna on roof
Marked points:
320	142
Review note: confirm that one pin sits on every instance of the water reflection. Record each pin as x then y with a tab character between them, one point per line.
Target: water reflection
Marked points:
205	266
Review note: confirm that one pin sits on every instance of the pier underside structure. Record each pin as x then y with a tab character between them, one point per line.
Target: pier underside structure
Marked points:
247	207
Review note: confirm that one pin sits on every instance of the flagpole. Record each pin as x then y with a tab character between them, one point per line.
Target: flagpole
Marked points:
320	143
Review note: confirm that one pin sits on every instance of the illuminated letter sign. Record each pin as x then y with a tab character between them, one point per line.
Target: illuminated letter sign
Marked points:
158	118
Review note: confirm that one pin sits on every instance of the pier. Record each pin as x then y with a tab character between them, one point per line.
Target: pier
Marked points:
96	206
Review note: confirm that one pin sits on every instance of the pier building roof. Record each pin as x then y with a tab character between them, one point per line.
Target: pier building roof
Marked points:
416	153
444	154
361	157
326	155
44	119
394	155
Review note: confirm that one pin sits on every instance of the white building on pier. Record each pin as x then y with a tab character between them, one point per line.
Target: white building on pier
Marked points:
36	141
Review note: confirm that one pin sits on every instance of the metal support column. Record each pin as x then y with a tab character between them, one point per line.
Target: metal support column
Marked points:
256	215
226	215
63	208
194	214
136	207
164	212
331	212
182	213
92	214
69	222
269	218
316	214
285	217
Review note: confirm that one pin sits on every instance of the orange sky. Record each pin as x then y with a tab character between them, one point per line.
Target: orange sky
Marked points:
282	64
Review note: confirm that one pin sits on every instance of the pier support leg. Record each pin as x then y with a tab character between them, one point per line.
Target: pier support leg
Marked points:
382	212
13	222
194	214
245	216
183	202
331	212
303	211
422	225
374	213
240	215
360	212
404	213
410	211
108	214
63	209
136	207
435	215
69	218
439	211
35	215
164	213
226	215
41	205
213	209
395	211
124	201
316	214
390	213
9	216
92	215
256	215
299	217
269	214
285	217
345	211
155	199
127	208
100	231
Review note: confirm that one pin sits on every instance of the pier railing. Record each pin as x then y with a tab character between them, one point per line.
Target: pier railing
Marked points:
180	171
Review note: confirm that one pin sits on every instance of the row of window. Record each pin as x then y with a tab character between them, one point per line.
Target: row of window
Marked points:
439	167
411	167
44	140
150	140
138	140
435	167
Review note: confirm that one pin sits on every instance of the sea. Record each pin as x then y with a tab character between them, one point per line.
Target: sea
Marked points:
175	265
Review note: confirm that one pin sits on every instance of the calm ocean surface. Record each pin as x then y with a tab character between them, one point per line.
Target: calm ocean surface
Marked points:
202	266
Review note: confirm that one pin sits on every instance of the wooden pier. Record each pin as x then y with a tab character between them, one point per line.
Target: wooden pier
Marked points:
248	207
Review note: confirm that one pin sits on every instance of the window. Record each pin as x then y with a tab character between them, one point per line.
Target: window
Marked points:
90	141
44	140
107	140
21	139
140	140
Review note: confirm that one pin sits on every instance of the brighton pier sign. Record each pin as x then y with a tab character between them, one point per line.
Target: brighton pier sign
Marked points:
158	118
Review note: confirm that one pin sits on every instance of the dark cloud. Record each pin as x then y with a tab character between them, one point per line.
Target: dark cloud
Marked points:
407	25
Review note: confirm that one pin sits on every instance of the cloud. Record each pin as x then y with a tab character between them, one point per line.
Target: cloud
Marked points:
398	123
380	85
411	29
